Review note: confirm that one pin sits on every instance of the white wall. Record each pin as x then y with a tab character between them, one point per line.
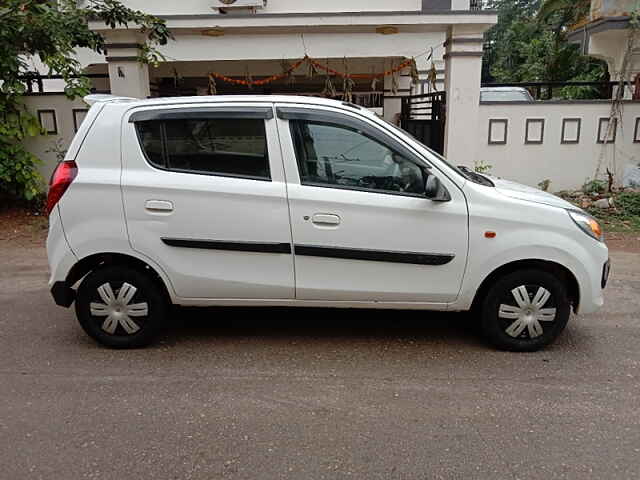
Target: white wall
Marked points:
460	4
319	45
63	108
190	7
566	165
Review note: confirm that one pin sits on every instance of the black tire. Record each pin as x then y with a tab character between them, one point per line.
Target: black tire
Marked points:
509	321
111	326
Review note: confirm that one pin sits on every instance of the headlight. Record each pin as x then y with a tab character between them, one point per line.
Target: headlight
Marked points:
587	224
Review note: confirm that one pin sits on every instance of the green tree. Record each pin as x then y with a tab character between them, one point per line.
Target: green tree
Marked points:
576	10
529	44
513	24
51	31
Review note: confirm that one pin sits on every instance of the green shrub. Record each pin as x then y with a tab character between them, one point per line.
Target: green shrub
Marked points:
594	186
629	203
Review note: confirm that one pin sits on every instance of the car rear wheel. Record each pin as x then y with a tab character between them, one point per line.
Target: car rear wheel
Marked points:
525	311
120	307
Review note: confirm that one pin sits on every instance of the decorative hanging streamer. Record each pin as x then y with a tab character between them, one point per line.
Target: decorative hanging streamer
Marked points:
287	72
351	76
432	76
249	78
395	82
312	71
415	76
329	90
374	82
360	76
263	81
347	83
177	79
213	90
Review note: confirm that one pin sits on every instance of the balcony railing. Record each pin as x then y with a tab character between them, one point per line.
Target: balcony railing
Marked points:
476	4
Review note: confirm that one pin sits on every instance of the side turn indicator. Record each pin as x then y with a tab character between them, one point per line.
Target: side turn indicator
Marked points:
490	234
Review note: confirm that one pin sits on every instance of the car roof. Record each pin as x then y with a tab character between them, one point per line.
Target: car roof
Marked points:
135	102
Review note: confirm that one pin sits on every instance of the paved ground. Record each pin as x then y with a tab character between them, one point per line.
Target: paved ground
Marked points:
262	394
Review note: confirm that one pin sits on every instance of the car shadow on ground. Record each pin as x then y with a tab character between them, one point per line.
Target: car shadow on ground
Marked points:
187	324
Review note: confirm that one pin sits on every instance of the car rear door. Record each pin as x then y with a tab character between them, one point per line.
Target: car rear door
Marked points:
362	227
205	198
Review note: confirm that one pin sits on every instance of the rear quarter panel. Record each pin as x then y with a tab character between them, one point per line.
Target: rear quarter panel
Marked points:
91	209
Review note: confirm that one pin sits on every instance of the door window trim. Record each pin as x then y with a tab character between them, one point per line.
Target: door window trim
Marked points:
203	113
341	120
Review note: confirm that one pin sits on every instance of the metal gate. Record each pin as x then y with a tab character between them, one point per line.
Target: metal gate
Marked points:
423	116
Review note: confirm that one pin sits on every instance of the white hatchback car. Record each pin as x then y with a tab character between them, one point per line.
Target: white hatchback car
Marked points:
292	201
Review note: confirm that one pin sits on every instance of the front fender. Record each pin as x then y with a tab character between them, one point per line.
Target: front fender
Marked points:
583	258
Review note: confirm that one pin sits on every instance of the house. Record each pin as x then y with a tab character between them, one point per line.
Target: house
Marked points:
414	62
604	34
255	39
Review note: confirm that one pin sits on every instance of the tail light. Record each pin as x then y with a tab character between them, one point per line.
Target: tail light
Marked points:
62	177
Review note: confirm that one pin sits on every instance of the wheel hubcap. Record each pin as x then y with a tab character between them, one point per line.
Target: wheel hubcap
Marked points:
118	309
531	309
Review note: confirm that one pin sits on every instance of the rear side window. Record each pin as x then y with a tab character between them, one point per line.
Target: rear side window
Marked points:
150	136
235	147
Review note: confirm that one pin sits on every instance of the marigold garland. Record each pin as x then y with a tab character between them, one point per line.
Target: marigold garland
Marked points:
263	81
317	65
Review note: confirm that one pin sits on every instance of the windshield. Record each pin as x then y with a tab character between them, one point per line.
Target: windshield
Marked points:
463	172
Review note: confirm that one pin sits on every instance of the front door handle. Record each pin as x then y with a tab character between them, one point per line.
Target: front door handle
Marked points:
159	206
326	219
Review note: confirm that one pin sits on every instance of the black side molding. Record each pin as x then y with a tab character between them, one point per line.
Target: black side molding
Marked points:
229	246
375	255
433	259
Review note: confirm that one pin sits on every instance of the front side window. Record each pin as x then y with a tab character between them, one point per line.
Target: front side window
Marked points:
343	157
216	146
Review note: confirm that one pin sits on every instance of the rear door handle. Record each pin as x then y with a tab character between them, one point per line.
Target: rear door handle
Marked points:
159	206
325	219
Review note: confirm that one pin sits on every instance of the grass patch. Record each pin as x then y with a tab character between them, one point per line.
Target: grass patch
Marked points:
624	216
614	221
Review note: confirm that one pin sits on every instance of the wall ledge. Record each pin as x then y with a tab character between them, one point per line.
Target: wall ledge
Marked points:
560	102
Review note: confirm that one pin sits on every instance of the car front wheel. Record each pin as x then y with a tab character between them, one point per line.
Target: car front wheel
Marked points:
525	311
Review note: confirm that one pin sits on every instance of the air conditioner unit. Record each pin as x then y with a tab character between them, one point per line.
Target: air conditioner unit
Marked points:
238	4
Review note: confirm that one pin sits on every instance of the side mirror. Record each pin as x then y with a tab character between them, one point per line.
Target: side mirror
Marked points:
435	191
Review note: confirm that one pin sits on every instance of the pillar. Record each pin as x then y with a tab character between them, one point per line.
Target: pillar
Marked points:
128	77
463	75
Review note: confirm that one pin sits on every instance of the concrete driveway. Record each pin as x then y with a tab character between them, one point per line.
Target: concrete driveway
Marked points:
262	394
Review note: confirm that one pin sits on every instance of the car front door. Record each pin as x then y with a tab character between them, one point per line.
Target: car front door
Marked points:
205	198
363	229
